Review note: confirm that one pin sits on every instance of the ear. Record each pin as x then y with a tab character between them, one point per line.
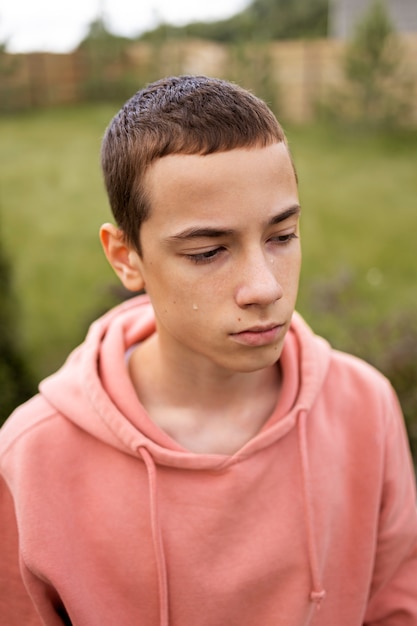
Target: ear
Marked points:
124	260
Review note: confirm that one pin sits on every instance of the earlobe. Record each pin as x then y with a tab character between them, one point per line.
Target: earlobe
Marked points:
124	260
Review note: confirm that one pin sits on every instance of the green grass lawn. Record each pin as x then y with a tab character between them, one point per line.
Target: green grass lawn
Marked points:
51	206
359	201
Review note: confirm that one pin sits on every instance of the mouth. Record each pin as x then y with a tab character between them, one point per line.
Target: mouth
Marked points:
260	335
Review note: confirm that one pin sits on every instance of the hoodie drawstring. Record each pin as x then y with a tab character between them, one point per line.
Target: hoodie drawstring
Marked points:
318	593
156	535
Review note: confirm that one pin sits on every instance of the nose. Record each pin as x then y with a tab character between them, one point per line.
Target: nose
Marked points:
259	284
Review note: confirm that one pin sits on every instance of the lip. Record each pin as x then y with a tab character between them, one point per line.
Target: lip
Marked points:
258	335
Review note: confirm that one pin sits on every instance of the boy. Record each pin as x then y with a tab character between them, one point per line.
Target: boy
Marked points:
203	459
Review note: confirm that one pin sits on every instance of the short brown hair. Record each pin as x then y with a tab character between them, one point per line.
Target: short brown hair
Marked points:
176	115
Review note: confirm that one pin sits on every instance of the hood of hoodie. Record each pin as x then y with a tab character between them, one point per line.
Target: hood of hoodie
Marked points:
93	388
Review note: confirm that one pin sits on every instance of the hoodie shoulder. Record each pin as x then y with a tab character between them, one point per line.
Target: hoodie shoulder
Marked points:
26	418
356	369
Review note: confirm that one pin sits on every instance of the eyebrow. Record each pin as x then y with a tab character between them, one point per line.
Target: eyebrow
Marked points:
194	233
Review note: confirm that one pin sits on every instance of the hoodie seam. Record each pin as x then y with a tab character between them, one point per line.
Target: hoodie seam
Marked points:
28	429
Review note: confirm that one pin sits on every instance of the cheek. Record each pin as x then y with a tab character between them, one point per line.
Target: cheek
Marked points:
289	269
173	300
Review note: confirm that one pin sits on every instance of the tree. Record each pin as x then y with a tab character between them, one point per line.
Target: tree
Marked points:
289	19
378	92
104	55
262	20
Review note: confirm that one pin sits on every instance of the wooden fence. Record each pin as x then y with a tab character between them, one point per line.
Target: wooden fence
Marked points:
297	74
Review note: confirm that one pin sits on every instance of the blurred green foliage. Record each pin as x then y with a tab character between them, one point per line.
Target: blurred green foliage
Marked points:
378	91
16	383
103	52
262	20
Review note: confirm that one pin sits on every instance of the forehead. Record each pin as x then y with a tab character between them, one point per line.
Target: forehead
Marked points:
218	177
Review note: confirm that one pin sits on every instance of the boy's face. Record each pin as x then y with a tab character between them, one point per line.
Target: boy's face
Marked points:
221	256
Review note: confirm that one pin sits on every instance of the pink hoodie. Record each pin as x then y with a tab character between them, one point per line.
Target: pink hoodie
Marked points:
313	522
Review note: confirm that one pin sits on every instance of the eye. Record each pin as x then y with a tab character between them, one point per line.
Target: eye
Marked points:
204	257
284	239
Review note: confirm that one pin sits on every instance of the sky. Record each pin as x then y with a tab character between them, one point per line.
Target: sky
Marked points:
59	25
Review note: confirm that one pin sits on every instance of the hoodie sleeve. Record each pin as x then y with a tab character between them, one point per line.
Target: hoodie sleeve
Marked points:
393	597
16	607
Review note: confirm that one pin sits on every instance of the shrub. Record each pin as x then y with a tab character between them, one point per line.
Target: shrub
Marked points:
377	91
389	343
15	381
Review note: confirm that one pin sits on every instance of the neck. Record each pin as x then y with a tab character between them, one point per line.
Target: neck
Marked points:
201	408
187	384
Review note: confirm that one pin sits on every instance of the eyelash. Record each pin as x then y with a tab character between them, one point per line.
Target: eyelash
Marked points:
204	257
285	239
208	257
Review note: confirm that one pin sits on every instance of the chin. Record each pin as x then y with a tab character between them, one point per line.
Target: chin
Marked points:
258	362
